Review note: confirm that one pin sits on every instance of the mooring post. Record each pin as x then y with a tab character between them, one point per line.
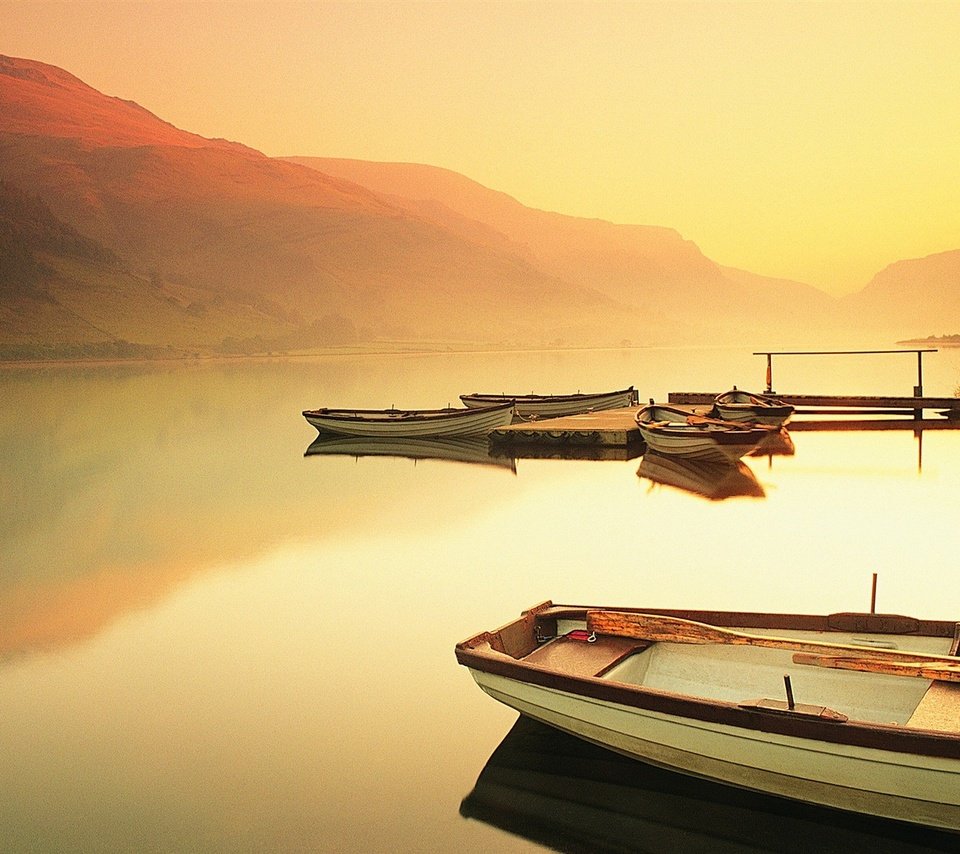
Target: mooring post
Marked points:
873	596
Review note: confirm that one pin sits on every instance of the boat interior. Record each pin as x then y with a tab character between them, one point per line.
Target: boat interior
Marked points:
580	643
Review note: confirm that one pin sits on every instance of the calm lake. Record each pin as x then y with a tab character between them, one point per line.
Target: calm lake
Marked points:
212	641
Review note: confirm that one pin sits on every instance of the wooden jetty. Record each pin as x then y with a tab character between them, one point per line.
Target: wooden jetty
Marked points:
617	428
839	404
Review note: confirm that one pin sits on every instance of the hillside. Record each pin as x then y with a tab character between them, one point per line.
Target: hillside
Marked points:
124	234
914	298
667	278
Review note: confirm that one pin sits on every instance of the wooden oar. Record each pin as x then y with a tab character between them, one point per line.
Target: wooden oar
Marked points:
942	671
656	627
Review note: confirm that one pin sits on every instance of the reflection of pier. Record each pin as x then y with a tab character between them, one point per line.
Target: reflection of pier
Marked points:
559	791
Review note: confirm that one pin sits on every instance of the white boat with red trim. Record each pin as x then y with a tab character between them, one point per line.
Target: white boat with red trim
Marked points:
670	430
739	405
859	712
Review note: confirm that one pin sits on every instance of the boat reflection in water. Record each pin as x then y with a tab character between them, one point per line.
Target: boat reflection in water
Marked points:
460	449
562	792
716	477
776	444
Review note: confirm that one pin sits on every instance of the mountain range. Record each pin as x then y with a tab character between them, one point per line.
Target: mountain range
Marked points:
122	235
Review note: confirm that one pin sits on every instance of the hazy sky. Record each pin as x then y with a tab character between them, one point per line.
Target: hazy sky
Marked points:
814	141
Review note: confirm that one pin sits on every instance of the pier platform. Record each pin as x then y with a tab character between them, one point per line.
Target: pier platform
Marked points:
826	404
599	435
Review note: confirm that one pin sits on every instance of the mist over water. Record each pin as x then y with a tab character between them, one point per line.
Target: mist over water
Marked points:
212	641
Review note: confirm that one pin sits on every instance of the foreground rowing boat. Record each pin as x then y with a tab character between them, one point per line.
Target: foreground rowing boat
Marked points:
738	405
531	406
867	720
384	423
669	430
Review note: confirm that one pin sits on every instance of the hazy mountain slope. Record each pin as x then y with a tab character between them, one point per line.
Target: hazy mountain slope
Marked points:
912	298
249	235
207	244
665	277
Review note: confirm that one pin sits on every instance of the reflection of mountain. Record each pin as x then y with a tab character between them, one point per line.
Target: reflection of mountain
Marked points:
572	796
715	478
121	484
461	449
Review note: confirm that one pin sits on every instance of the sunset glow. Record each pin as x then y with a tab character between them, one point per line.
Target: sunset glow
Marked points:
809	141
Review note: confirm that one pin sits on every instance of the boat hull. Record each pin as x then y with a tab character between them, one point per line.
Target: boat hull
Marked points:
700	444
918	789
410	424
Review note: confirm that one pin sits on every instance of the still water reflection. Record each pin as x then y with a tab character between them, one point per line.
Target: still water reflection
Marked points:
213	638
545	785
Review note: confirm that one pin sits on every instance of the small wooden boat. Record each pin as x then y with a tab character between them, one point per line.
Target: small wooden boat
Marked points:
859	712
737	405
418	422
530	406
670	430
716	479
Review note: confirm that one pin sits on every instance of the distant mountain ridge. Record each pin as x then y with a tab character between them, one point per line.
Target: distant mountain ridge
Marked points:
205	246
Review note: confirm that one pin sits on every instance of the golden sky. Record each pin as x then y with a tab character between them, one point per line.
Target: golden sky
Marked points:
812	141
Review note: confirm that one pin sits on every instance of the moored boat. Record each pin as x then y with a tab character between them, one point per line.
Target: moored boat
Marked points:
738	405
670	430
409	423
530	406
874	727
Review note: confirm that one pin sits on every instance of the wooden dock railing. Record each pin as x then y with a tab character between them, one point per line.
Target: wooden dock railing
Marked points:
917	389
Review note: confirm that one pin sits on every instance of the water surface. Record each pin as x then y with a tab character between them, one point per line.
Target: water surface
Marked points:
212	641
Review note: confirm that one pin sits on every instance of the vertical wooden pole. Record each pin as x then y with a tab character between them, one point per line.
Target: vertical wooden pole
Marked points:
873	596
769	373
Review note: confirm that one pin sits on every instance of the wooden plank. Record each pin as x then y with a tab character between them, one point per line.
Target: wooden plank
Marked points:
655	627
945	672
939	709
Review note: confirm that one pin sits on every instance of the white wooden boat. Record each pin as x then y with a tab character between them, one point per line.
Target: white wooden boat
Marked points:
859	712
417	422
670	430
535	406
738	405
716	479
